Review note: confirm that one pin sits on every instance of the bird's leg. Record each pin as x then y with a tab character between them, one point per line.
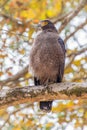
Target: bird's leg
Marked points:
47	82
36	81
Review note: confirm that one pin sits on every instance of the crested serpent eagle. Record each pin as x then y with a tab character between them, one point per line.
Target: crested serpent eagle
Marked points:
47	58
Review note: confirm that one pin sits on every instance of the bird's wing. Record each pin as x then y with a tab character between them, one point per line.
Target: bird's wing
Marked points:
61	42
61	66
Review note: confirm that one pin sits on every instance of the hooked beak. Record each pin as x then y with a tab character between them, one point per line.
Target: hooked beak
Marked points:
39	25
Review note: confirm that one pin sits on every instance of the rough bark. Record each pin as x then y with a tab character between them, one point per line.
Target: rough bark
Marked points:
31	94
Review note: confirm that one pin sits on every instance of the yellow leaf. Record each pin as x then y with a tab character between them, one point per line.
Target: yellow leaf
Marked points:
7	7
1	73
31	32
69	104
22	51
29	123
17	128
77	62
24	14
40	125
86	7
28	14
3	55
58	5
50	124
85	115
68	70
50	13
26	83
28	75
21	114
81	110
2	111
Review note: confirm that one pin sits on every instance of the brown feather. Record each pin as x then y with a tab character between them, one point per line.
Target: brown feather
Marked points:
46	57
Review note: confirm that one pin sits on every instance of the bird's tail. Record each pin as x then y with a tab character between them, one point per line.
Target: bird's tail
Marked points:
46	105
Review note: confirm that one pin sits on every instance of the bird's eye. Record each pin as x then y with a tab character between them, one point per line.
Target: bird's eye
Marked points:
44	23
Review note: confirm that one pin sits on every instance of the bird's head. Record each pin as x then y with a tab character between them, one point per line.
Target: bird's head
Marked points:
46	24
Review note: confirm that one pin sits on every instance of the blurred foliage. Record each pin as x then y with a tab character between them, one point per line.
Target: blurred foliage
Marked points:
17	31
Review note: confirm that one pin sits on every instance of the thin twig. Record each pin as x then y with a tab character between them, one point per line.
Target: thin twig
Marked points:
61	17
15	77
78	52
71	16
74	54
5	2
78	28
28	105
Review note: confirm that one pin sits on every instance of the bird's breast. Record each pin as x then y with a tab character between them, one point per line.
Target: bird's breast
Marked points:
46	55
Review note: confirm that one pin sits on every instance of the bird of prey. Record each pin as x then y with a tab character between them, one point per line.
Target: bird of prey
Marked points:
47	58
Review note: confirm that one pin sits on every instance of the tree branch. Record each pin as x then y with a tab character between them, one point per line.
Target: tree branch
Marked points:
78	28
15	77
71	16
73	55
30	94
78	52
60	17
6	16
5	2
19	109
